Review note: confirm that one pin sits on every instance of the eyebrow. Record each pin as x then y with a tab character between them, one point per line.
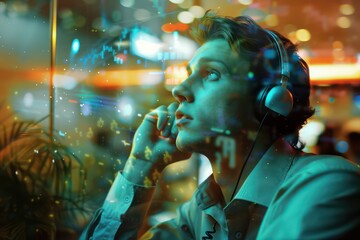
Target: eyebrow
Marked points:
205	59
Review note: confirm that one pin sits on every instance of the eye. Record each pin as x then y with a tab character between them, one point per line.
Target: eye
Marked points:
211	75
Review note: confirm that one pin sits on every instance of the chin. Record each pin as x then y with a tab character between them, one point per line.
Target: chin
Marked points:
183	145
193	143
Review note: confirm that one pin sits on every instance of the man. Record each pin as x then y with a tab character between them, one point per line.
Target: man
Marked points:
246	90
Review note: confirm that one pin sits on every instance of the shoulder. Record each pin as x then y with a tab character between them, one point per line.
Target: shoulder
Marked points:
323	176
311	164
320	195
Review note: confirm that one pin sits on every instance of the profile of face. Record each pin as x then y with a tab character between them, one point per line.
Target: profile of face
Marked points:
213	99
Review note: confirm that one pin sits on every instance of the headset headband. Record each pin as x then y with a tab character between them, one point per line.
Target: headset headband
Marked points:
284	61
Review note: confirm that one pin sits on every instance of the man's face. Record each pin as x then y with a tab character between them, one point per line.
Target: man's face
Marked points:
214	97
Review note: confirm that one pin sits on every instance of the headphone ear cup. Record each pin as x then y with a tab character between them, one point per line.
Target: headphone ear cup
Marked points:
280	100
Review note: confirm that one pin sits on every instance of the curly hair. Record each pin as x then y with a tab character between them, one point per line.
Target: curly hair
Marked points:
253	43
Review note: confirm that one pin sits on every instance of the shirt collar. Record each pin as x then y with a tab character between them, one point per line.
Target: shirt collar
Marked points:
261	184
269	173
209	193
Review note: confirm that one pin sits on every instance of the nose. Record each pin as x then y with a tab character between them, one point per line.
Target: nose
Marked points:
182	92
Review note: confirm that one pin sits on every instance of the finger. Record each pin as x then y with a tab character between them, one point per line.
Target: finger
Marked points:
171	118
162	115
174	131
152	118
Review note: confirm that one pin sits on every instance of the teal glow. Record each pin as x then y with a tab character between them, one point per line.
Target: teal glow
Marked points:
75	46
331	99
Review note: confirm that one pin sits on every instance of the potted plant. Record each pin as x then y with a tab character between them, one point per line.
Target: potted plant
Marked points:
42	184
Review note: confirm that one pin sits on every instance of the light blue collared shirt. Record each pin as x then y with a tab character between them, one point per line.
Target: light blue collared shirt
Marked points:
288	195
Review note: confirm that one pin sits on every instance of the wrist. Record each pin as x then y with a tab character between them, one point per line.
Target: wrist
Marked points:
141	172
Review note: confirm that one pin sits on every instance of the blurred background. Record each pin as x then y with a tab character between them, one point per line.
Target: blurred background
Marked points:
87	72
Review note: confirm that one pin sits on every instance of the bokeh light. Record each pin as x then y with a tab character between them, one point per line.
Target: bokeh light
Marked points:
125	107
303	35
311	131
343	22
357	101
75	46
342	146
197	11
245	2
28	99
177	1
185	17
127	3
347	9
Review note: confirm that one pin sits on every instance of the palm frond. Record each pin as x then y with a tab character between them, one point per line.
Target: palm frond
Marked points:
37	189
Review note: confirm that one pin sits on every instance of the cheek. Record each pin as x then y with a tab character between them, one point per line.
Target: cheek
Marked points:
234	113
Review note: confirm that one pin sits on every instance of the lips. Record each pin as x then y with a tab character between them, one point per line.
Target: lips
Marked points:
182	118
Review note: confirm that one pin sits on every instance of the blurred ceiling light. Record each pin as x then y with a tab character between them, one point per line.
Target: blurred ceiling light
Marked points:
347	9
328	72
197	11
122	78
185	17
145	45
303	35
127	3
245	2
176	1
343	22
272	20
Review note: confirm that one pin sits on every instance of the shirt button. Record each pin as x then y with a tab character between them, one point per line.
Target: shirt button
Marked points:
238	235
185	228
126	199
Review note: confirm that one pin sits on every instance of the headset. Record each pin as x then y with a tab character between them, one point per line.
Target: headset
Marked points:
277	98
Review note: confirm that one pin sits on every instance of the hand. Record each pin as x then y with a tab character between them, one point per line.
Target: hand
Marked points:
154	146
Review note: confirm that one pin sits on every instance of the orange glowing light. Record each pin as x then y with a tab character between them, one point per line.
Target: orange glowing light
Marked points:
168	27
